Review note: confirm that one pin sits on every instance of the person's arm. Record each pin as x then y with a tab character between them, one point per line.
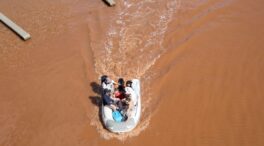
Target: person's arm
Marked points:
113	82
113	97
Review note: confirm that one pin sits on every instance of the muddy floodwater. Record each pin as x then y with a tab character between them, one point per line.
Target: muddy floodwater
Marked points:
200	63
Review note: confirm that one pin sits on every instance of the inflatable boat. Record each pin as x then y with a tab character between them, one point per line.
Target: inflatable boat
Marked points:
110	120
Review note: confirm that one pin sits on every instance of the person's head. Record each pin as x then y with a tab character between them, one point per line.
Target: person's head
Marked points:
129	83
121	82
104	78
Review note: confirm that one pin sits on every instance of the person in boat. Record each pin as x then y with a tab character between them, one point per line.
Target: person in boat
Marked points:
129	106
107	83
129	91
125	107
108	100
120	91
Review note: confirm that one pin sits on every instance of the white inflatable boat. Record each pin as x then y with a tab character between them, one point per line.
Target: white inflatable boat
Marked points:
131	122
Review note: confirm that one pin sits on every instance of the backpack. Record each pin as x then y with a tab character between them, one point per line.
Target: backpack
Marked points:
117	116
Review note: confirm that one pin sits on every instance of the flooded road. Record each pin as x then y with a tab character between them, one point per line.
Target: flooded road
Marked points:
200	63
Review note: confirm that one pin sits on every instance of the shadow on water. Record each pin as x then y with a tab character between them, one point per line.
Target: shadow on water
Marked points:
97	99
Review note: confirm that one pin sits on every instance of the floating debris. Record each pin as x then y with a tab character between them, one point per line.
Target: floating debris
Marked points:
110	2
17	29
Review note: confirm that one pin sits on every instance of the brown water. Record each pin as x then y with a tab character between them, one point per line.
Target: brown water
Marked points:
200	62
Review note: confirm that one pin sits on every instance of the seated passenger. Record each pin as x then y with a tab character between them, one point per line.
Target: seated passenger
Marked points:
120	92
129	106
130	92
107	83
108	100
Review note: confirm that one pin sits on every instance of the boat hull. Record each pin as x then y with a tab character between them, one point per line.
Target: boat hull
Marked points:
131	122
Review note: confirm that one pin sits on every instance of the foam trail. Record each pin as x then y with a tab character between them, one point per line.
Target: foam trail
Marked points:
135	36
